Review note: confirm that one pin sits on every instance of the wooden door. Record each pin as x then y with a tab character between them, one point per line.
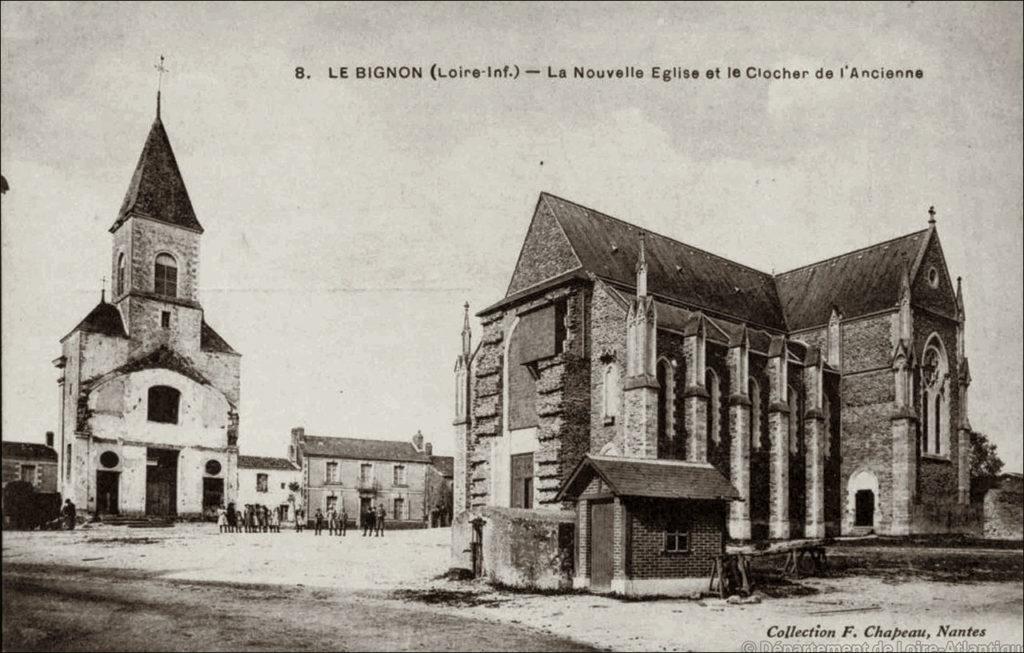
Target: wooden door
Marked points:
107	492
864	508
602	534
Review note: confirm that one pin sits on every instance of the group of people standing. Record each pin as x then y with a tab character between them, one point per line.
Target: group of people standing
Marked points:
253	518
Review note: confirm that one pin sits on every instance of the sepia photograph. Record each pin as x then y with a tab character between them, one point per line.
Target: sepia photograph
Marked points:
512	326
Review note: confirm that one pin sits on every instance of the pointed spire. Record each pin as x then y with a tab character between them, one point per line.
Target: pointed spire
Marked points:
158	106
467	333
641	269
960	294
931	216
103	290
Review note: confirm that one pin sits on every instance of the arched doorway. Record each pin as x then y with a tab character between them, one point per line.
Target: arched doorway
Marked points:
862	503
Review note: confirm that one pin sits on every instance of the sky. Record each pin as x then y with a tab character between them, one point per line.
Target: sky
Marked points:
347	221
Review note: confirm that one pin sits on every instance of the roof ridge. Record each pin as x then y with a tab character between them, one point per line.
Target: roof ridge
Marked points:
853	251
658	234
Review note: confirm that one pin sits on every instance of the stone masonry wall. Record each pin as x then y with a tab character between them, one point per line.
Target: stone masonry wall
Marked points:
607	345
868	394
546	253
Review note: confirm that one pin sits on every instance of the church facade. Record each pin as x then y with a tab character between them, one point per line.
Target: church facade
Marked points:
149	391
833	398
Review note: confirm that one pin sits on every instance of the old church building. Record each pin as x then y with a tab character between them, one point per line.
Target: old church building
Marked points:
831	399
149	391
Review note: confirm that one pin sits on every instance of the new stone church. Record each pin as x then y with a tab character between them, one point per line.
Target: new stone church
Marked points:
149	390
634	402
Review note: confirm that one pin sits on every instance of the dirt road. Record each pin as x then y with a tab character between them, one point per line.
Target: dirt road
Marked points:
89	609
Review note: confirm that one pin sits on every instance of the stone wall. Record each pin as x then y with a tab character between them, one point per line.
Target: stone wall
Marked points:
607	346
546	253
868	395
1004	511
521	548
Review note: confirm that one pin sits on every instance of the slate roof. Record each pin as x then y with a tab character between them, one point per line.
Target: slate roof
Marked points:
210	340
104	319
444	464
608	248
638	477
362	449
157	190
857	283
28	451
265	462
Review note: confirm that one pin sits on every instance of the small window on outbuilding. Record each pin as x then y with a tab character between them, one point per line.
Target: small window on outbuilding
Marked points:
677	539
163	404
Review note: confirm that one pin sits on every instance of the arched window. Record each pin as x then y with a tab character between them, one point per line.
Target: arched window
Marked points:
165	276
666	417
935	397
610	393
826	411
794	421
754	390
120	275
163	404
714	422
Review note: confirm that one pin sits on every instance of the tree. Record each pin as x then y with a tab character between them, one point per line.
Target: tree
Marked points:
985	460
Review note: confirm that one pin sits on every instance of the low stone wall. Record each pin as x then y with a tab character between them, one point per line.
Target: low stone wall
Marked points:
946	517
530	549
1004	514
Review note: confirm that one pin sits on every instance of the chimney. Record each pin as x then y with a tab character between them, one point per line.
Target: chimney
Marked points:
417	441
428	449
298	432
49	439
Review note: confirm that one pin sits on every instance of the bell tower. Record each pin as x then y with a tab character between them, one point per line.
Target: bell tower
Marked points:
155	254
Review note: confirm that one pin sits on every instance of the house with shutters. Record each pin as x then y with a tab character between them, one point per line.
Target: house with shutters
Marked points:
357	474
149	390
831	399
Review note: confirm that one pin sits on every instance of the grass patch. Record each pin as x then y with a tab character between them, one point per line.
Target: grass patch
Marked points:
450	598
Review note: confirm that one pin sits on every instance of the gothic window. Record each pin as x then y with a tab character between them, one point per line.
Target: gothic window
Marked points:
794	421
935	397
163	404
714	417
666	392
119	289
610	393
826	411
754	390
165	276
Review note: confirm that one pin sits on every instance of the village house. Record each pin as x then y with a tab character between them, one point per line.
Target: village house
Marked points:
358	473
440	483
149	390
32	463
831	399
267	481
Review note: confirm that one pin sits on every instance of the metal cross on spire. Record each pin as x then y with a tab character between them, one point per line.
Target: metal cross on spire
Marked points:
160	70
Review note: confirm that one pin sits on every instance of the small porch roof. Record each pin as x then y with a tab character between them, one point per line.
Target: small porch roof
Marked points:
637	477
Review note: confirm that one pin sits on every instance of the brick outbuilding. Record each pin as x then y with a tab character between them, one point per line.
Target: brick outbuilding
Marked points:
647	526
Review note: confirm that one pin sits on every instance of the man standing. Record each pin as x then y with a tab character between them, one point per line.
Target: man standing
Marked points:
342	521
380	520
318	522
332	520
368	520
68	513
